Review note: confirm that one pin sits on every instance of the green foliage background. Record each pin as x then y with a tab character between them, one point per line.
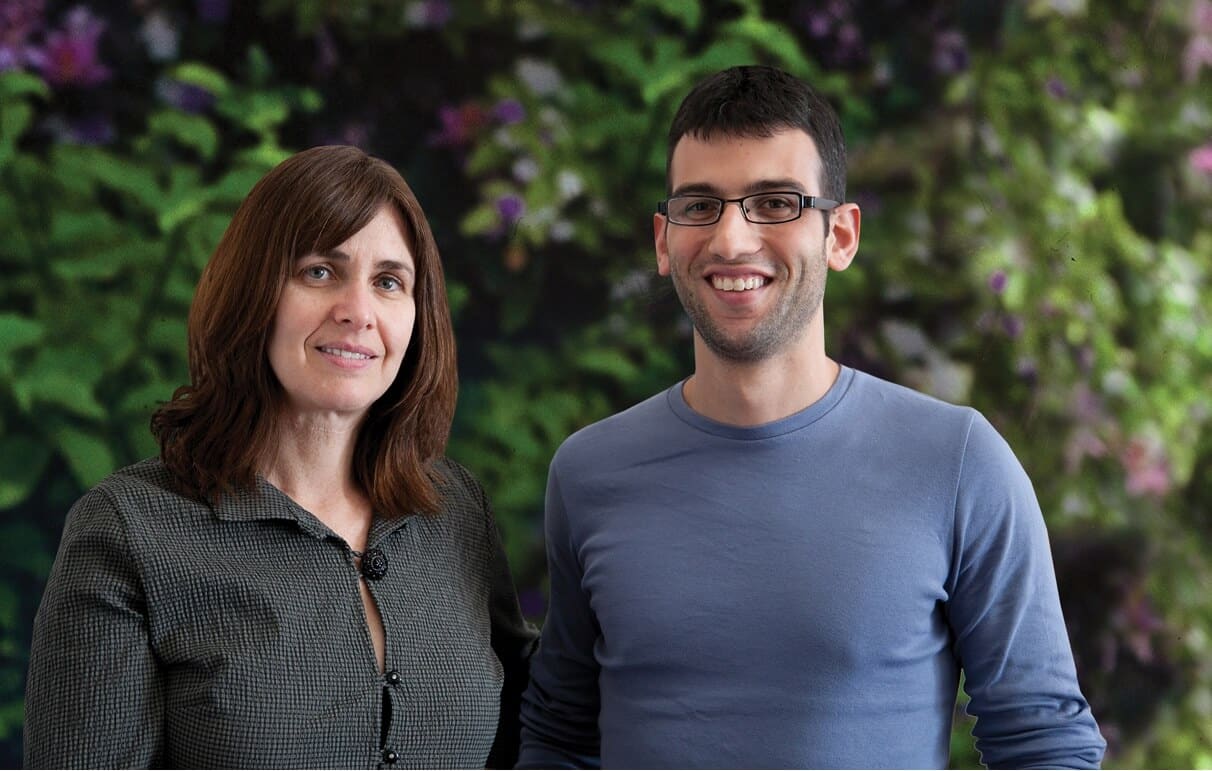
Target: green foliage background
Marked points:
1037	191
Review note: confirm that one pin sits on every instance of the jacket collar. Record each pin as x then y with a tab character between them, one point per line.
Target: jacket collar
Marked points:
266	502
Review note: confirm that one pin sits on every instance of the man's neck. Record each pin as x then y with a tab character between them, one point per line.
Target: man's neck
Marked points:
754	393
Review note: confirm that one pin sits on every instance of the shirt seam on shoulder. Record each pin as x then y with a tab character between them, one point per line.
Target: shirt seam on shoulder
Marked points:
959	476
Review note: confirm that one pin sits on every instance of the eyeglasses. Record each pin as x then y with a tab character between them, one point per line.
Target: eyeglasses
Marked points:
760	208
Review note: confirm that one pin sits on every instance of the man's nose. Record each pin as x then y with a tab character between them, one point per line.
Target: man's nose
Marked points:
733	235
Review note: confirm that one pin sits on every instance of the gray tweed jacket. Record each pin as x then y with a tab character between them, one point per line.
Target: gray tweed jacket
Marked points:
176	634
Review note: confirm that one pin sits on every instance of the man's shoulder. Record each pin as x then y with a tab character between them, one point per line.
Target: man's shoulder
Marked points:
638	425
881	400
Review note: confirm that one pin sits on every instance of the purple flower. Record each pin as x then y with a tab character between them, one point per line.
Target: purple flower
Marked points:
1196	56
327	55
70	57
213	11
459	124
1057	88
1200	159
19	20
429	14
950	52
511	208
1148	470
509	111
161	36
1026	369
1013	325
1201	17
89	130
997	282
184	96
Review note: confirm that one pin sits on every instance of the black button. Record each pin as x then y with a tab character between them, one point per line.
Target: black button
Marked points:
390	756
393	678
374	564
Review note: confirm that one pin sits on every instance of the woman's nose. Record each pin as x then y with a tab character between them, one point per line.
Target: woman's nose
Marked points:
354	307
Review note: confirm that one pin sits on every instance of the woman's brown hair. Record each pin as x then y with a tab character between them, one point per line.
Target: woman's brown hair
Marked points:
217	431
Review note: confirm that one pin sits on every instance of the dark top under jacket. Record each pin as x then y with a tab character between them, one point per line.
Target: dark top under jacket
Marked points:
177	634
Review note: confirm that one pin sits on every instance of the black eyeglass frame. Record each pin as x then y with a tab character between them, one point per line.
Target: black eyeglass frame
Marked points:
806	202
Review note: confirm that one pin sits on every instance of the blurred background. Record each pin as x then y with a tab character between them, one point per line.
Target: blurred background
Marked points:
1035	176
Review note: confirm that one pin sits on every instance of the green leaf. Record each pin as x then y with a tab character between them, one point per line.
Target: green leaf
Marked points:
63	377
119	174
9	603
259	66
688	12
309	100
19	83
88	456
625	55
606	361
18	332
202	76
62	390
23	547
107	262
185	200
192	131
22	461
772	37
168	335
479	220
14	120
82	228
233	186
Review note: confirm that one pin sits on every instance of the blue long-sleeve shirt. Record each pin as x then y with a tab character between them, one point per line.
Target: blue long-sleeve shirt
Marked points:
799	594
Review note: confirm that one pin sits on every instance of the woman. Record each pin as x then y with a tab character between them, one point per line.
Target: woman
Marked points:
300	579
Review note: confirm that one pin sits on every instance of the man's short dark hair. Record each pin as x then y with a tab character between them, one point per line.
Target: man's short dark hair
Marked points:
758	101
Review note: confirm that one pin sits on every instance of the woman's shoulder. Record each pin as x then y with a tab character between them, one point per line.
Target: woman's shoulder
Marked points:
148	479
140	489
454	479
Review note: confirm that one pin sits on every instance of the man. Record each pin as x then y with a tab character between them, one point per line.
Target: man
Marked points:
781	561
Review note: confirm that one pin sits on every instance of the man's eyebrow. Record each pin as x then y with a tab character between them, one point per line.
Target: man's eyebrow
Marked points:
758	186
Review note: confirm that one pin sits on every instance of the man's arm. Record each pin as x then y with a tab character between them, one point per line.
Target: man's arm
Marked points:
1005	613
560	708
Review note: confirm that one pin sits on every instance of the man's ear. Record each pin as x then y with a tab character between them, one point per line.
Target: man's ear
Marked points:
659	225
843	240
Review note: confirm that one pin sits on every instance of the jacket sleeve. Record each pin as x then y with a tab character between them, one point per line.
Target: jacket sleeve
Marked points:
513	640
1005	613
560	708
94	697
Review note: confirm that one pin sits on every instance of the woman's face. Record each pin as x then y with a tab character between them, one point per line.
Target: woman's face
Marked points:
344	321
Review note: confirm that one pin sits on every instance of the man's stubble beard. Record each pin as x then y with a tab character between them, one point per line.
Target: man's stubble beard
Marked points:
772	333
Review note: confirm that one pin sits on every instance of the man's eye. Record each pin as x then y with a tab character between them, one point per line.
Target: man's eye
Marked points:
700	207
775	202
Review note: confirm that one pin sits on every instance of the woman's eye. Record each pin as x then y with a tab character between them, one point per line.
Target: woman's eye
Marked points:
318	272
390	283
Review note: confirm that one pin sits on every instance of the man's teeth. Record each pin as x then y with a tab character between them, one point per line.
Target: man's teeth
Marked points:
737	284
344	354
